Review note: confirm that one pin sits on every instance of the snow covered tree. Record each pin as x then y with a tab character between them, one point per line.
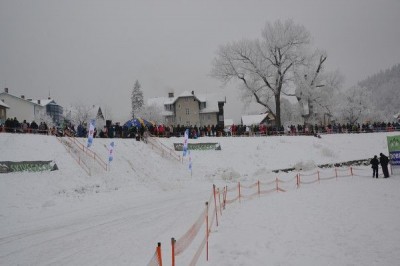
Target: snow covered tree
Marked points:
265	67
136	99
81	114
315	89
152	112
353	106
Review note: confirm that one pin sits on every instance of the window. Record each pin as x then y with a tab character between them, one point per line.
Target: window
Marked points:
187	111
209	117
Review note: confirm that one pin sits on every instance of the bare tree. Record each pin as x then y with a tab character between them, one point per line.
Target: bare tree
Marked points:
152	112
81	114
314	88
265	67
353	105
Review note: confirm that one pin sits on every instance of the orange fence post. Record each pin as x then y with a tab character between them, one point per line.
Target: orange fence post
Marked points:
173	250
351	171
298	180
207	231
239	190
318	176
336	173
215	204
258	187
220	206
159	257
276	182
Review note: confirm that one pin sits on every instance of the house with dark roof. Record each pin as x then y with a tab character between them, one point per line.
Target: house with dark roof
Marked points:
191	109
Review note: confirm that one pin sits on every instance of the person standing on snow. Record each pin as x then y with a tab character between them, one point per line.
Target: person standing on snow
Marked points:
384	163
375	165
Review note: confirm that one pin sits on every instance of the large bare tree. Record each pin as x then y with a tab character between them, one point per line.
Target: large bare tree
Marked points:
265	67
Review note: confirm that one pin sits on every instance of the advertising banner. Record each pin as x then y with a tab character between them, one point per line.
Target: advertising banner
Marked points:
394	153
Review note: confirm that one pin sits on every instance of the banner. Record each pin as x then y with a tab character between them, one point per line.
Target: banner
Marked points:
185	142
190	161
394	153
91	131
111	152
28	166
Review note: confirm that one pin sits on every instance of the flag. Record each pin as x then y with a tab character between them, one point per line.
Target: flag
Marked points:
185	142
111	152
91	131
190	161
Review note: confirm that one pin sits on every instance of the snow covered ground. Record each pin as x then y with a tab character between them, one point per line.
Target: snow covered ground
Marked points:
67	217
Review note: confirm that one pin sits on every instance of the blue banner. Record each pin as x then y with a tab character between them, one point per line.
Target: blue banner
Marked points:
185	142
111	152
91	132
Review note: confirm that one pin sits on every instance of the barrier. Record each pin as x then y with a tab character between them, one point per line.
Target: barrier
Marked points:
228	195
156	260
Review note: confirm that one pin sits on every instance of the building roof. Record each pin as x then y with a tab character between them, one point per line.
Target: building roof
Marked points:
248	120
211	101
22	99
4	104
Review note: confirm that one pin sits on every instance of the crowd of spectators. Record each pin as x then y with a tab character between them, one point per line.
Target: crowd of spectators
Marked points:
118	131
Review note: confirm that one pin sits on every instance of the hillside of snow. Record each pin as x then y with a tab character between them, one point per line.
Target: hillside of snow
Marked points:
116	217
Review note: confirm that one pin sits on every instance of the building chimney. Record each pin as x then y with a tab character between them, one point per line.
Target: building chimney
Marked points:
170	95
192	92
22	96
6	90
38	101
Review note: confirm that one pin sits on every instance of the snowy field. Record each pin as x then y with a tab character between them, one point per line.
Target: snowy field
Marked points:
117	217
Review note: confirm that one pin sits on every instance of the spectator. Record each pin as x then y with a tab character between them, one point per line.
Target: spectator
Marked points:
375	165
384	160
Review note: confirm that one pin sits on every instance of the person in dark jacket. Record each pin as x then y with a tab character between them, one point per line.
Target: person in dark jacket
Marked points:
384	160
375	165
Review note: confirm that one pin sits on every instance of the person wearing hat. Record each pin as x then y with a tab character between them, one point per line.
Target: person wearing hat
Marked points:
384	160
375	165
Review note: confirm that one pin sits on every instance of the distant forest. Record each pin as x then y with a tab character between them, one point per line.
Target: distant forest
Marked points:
385	91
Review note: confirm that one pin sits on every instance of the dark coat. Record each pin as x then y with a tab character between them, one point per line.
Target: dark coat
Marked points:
384	160
375	163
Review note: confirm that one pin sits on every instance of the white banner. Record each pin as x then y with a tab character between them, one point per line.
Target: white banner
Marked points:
91	131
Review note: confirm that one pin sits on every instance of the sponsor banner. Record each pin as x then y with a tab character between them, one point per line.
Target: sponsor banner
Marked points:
394	153
27	166
197	146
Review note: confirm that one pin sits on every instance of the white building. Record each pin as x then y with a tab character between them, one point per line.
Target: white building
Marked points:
191	109
29	109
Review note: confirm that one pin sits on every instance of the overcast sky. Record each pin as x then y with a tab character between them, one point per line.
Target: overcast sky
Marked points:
91	52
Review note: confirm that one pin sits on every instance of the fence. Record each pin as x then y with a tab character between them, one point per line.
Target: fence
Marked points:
220	198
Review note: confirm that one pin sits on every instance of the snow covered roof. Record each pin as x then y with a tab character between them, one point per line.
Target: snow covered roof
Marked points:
4	104
248	120
211	101
43	102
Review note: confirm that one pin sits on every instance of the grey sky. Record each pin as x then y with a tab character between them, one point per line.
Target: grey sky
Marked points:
93	51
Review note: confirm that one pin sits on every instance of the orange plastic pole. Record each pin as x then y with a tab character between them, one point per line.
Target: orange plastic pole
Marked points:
351	171
173	250
258	187
318	176
159	257
276	182
298	180
215	204
207	230
220	206
239	190
336	173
